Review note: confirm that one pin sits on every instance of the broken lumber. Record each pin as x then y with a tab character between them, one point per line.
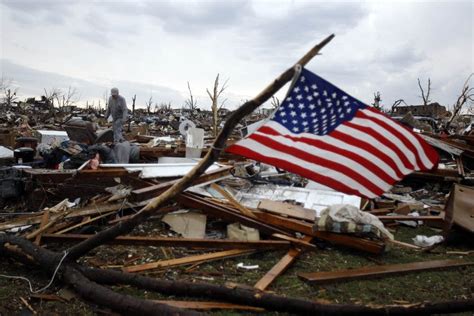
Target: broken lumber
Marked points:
410	218
380	271
188	260
232	200
200	305
286	209
175	242
346	240
280	267
219	210
44	221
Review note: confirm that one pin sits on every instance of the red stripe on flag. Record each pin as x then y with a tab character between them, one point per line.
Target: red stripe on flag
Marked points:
303	155
379	172
384	140
397	134
430	152
286	165
368	147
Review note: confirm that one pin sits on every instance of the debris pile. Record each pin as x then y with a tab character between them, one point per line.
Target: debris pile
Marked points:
67	189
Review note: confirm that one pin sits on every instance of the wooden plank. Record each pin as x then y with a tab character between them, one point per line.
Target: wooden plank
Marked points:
200	305
85	222
410	218
232	200
44	221
380	271
52	221
188	260
380	211
219	210
84	211
290	210
175	242
460	207
307	229
280	267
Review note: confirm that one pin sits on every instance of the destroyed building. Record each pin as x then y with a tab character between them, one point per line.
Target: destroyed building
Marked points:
170	222
433	110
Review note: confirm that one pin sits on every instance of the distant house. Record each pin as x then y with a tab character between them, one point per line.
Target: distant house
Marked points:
434	110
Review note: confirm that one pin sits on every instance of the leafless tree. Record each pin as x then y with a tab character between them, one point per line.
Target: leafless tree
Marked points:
377	99
467	95
165	106
148	105
133	105
106	99
133	112
9	94
8	91
426	98
275	102
68	98
51	96
190	103
215	107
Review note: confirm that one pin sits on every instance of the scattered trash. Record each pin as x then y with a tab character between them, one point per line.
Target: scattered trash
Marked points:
425	241
241	265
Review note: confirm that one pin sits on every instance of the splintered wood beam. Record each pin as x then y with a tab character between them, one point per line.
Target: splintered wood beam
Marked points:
219	210
208	257
200	305
346	240
232	200
85	222
381	271
286	209
75	212
44	221
280	267
175	242
154	190
410	218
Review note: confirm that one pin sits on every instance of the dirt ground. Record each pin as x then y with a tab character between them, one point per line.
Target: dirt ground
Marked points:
453	283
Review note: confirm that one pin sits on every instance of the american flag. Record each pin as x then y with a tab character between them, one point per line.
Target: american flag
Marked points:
322	133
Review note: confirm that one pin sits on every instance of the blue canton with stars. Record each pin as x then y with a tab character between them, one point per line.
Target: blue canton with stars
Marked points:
315	106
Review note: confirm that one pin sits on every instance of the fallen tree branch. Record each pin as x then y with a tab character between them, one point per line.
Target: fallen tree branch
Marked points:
48	261
266	300
80	278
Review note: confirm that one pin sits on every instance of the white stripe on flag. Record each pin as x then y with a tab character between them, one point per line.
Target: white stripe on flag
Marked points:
361	170
388	136
330	140
264	150
428	164
369	139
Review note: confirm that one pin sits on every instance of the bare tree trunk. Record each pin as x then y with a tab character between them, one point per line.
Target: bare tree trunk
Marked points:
133	112
467	94
214	107
426	98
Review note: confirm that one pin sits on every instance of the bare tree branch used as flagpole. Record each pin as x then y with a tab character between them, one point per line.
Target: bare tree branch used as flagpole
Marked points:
212	155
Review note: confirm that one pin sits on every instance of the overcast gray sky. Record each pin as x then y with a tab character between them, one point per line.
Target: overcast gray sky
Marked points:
156	47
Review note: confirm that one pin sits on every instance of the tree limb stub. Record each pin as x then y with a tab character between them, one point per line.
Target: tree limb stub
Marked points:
248	107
